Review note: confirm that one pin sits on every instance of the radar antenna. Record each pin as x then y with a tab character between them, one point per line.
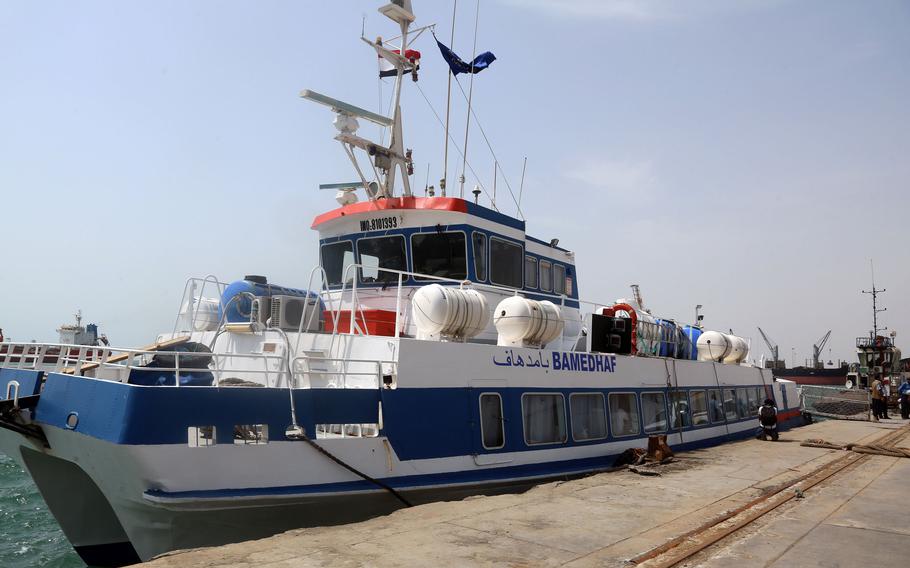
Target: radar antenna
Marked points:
385	161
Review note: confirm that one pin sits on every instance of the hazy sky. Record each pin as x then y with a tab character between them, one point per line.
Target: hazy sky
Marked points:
749	156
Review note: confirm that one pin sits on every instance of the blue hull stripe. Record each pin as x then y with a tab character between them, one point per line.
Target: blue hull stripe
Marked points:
420	423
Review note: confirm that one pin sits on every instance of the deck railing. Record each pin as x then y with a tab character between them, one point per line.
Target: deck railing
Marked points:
246	369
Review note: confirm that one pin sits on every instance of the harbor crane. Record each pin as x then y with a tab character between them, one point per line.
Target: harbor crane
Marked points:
817	349
776	363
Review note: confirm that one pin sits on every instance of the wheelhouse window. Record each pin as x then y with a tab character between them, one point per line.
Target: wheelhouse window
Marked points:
544	418
440	254
654	411
559	279
699	408
480	256
336	257
623	414
589	416
546	276
491	424
681	416
505	263
715	406
530	272
381	252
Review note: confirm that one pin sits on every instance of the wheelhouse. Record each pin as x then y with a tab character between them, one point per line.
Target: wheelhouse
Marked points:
434	238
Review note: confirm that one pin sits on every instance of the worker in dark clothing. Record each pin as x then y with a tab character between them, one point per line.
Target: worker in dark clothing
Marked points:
904	392
767	418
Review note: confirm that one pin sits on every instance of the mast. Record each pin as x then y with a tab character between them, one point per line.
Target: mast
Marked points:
445	158
384	161
467	126
875	310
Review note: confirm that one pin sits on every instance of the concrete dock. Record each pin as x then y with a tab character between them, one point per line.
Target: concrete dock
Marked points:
857	516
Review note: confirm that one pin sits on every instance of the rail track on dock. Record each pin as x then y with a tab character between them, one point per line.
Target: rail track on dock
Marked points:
689	544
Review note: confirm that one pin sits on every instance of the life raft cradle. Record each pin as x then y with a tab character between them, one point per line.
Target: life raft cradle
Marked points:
159	346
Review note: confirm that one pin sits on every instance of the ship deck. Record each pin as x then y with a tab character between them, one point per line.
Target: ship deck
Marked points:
849	511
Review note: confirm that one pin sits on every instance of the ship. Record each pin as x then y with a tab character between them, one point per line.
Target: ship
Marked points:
74	340
824	376
437	351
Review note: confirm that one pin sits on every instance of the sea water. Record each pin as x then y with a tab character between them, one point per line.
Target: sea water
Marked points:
29	535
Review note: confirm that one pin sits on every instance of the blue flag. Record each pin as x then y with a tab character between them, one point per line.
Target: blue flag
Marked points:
457	65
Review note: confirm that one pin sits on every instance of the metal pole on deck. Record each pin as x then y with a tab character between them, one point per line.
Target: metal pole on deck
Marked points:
445	159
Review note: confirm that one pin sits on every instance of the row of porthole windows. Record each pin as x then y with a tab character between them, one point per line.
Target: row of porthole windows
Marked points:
445	254
544	414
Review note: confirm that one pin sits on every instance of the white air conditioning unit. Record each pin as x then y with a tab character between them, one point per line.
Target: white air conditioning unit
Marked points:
287	311
261	310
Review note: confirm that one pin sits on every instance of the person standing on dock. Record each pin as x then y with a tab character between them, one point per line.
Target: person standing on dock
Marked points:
904	397
878	400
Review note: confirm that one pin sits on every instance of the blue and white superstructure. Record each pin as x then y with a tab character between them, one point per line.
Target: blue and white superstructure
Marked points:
438	351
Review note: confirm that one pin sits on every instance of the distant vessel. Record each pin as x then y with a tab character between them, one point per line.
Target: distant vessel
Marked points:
69	334
811	376
813	373
78	334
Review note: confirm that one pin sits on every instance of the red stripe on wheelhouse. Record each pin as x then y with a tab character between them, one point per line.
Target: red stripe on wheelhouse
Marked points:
430	203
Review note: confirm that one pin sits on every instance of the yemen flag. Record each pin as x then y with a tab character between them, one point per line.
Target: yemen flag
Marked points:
386	69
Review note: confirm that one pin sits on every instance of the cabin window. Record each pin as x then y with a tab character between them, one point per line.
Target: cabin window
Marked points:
589	416
679	402
544	418
759	398
730	404
559	279
546	276
480	256
623	414
336	257
715	406
654	411
742	403
530	272
381	252
440	254
505	263
699	407
491	425
754	401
